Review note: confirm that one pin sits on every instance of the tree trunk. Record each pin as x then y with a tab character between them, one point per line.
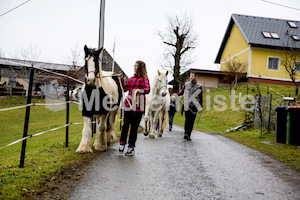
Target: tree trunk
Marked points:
176	71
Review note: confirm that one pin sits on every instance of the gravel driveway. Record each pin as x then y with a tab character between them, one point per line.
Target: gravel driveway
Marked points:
208	167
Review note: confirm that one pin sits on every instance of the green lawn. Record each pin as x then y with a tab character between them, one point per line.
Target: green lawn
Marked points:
214	121
45	154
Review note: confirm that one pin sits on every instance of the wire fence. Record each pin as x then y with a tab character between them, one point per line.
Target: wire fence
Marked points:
29	104
264	115
37	104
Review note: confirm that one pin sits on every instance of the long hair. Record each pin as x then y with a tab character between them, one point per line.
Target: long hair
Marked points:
142	69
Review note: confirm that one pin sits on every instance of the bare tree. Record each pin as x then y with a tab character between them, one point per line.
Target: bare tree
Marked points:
30	53
233	69
2	53
179	40
74	58
290	59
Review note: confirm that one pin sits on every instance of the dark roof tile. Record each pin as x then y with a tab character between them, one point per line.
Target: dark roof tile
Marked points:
251	27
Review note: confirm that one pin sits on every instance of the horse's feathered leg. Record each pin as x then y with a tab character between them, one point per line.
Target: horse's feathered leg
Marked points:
100	141
86	141
111	129
101	135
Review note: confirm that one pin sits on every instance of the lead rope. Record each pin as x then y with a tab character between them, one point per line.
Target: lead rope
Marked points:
121	85
123	93
188	106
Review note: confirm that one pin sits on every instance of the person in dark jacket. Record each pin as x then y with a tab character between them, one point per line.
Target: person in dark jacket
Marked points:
135	102
172	112
193	103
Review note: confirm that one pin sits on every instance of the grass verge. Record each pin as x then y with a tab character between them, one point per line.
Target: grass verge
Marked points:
213	120
47	161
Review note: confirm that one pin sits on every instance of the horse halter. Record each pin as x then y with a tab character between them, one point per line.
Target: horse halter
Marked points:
96	67
161	86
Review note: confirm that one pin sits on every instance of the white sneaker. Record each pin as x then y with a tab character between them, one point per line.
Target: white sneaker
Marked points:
121	148
130	151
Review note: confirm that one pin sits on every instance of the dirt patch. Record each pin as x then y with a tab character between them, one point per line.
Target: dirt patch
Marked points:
61	184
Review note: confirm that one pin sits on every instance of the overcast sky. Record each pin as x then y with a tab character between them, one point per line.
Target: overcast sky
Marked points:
54	27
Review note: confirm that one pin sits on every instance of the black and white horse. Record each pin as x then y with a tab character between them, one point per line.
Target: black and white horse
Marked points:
101	96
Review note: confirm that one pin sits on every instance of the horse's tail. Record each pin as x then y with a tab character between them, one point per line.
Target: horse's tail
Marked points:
166	119
116	79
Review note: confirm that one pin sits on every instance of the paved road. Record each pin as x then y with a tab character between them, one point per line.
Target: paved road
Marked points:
208	167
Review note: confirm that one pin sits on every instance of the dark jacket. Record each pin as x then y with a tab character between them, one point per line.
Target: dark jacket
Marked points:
188	90
172	109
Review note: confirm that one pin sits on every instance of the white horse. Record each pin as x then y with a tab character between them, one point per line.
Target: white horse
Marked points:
75	94
101	96
157	105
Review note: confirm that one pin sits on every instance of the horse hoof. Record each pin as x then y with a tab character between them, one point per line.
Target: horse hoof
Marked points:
100	148
159	135
86	150
146	134
151	136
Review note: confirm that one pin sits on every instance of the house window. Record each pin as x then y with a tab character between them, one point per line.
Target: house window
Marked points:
295	37
297	66
266	34
292	24
270	35
275	35
273	63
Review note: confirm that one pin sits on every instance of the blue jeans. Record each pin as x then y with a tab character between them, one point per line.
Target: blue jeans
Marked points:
171	120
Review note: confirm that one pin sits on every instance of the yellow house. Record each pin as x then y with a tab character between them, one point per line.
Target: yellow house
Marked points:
256	41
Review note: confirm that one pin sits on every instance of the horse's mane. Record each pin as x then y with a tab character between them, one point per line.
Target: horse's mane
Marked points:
154	84
107	83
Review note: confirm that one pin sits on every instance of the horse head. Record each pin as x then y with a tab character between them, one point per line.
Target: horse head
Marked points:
91	64
162	82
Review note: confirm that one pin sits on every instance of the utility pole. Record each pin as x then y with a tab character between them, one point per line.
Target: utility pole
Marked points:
101	29
113	64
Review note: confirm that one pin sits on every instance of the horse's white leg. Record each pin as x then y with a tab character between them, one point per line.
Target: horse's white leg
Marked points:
86	141
153	124
151	121
163	119
146	119
147	123
101	135
111	129
146	126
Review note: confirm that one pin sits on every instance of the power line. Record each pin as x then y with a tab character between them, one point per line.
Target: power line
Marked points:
14	8
281	5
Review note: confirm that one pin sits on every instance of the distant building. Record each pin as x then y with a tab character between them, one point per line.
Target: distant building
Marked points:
207	78
15	72
257	41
